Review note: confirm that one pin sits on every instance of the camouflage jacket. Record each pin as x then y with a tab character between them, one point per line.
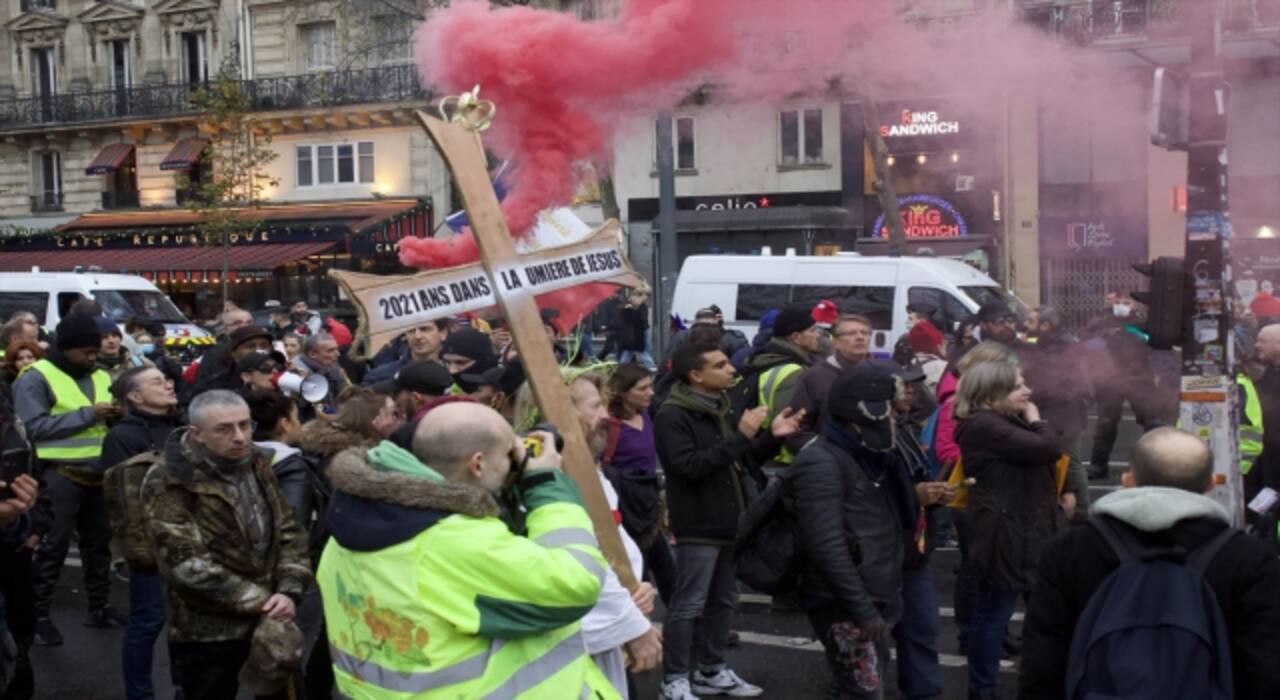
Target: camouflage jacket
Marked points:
218	580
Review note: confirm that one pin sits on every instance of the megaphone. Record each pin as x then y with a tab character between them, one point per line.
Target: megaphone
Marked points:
312	388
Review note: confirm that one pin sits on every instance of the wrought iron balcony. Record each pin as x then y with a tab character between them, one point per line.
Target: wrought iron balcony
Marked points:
46	201
1090	21
383	84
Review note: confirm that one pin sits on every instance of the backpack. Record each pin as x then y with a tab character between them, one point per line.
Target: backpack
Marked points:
767	553
1153	629
122	492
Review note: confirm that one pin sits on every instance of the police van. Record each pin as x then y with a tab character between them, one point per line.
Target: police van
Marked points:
49	295
878	287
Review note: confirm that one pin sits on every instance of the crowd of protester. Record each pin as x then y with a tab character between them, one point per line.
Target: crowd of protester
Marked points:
305	516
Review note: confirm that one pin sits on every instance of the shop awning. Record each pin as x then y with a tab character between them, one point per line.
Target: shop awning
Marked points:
763	219
184	155
109	159
253	257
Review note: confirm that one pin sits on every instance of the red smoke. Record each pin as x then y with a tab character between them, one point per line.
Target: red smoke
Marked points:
563	86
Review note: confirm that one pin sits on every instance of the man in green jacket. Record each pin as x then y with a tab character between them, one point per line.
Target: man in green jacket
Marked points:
226	542
428	593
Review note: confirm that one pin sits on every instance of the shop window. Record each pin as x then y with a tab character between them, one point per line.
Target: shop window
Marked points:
394	37
950	311
334	164
755	299
800	135
47	181
319	43
876	303
682	143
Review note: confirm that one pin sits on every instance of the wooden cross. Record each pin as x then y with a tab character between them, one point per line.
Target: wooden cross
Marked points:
513	280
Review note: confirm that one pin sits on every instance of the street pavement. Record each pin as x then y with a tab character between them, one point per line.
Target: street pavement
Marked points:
777	651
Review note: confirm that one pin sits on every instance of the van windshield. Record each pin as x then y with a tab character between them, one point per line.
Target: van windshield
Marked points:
122	304
982	295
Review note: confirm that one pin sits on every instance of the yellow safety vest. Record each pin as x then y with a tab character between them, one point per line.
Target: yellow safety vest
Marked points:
770	381
1250	423
86	445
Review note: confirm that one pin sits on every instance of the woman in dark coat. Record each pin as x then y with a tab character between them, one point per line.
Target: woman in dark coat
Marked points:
1013	504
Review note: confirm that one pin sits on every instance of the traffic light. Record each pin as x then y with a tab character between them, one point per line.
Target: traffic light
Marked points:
1165	300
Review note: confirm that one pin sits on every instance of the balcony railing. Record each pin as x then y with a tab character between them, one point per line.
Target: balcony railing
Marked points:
120	200
1089	21
382	84
46	201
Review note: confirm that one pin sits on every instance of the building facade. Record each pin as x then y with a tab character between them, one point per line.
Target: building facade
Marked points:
97	118
1053	200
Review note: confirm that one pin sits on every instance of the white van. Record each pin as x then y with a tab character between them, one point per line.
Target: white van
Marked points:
880	288
50	295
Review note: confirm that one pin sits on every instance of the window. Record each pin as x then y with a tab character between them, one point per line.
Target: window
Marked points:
35	302
334	164
683	138
394	37
319	43
44	76
755	299
800	133
950	311
47	185
365	150
304	166
195	57
876	303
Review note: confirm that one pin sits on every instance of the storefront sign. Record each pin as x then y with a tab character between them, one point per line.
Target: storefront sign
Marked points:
912	123
1092	237
926	216
647	209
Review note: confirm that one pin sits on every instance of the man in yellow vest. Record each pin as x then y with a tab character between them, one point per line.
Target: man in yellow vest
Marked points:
65	403
776	369
429	594
1250	422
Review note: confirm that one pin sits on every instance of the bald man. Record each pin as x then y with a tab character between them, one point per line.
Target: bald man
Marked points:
1163	505
1267	347
428	593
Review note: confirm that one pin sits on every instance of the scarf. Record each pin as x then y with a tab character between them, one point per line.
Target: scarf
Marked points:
885	468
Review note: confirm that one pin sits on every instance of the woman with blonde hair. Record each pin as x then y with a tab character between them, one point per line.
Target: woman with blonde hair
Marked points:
1011	454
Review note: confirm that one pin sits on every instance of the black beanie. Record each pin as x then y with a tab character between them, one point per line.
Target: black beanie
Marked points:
78	331
471	344
792	319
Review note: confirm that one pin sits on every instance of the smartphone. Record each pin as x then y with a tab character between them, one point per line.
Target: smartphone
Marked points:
13	463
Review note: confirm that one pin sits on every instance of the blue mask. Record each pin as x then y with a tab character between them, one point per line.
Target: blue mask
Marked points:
147	348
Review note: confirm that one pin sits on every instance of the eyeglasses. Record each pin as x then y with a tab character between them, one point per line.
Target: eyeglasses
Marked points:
270	368
1006	320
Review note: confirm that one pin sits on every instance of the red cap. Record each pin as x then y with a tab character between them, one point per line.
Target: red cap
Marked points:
825	313
925	337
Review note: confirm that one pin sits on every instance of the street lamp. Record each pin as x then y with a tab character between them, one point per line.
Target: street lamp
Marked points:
1266	232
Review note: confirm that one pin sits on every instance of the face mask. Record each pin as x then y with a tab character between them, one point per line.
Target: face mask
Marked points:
1122	310
147	348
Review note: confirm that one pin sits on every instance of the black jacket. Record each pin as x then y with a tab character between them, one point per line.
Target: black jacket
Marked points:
629	328
1245	577
1013	508
706	461
216	371
136	433
307	493
849	535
